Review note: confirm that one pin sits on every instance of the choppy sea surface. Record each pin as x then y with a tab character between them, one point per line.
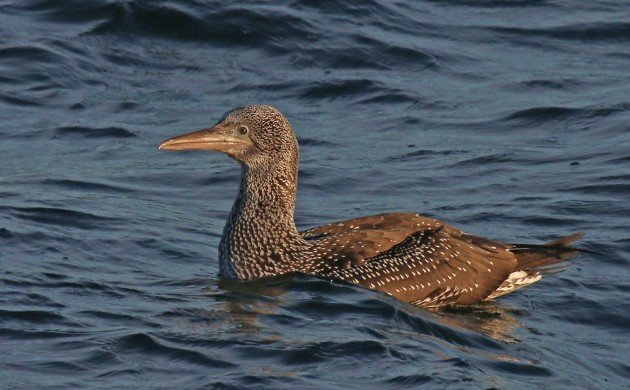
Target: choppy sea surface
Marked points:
509	119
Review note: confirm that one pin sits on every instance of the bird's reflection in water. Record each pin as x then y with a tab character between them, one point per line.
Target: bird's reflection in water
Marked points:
239	305
491	319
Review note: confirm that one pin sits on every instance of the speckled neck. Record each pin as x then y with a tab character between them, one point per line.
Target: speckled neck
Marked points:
260	238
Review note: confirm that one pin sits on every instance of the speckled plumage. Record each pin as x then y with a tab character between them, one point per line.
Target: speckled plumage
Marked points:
414	258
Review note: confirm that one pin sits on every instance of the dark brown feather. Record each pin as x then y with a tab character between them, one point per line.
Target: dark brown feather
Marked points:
428	263
415	259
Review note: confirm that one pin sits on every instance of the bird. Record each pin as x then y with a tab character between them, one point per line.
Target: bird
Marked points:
414	258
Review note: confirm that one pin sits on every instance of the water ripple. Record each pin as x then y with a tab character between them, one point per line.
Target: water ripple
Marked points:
482	113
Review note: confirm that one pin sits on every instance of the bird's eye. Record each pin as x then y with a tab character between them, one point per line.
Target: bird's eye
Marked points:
243	130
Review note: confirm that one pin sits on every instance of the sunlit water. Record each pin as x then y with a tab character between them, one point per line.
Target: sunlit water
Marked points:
508	119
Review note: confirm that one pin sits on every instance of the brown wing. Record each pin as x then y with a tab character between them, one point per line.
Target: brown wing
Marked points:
354	241
427	262
433	267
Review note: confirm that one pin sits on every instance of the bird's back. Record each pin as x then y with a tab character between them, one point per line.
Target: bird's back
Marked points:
426	262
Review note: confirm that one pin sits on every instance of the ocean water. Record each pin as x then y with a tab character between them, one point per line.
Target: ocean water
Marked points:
509	119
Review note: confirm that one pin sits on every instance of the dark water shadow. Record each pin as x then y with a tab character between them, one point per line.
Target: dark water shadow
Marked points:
245	301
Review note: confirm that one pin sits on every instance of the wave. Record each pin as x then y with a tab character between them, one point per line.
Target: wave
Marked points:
613	31
90	132
60	216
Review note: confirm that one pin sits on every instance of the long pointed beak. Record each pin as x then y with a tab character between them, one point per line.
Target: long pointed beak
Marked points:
213	138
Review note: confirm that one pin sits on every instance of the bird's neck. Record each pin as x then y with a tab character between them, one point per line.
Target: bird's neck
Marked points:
260	238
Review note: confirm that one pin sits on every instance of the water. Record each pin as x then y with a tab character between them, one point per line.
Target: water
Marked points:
509	119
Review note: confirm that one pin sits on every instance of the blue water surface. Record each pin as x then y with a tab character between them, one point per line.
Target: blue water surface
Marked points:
509	119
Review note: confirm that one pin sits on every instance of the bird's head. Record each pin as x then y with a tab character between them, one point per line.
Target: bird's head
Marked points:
253	135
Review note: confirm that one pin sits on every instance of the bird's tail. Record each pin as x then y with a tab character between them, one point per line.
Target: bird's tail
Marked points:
547	258
535	260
